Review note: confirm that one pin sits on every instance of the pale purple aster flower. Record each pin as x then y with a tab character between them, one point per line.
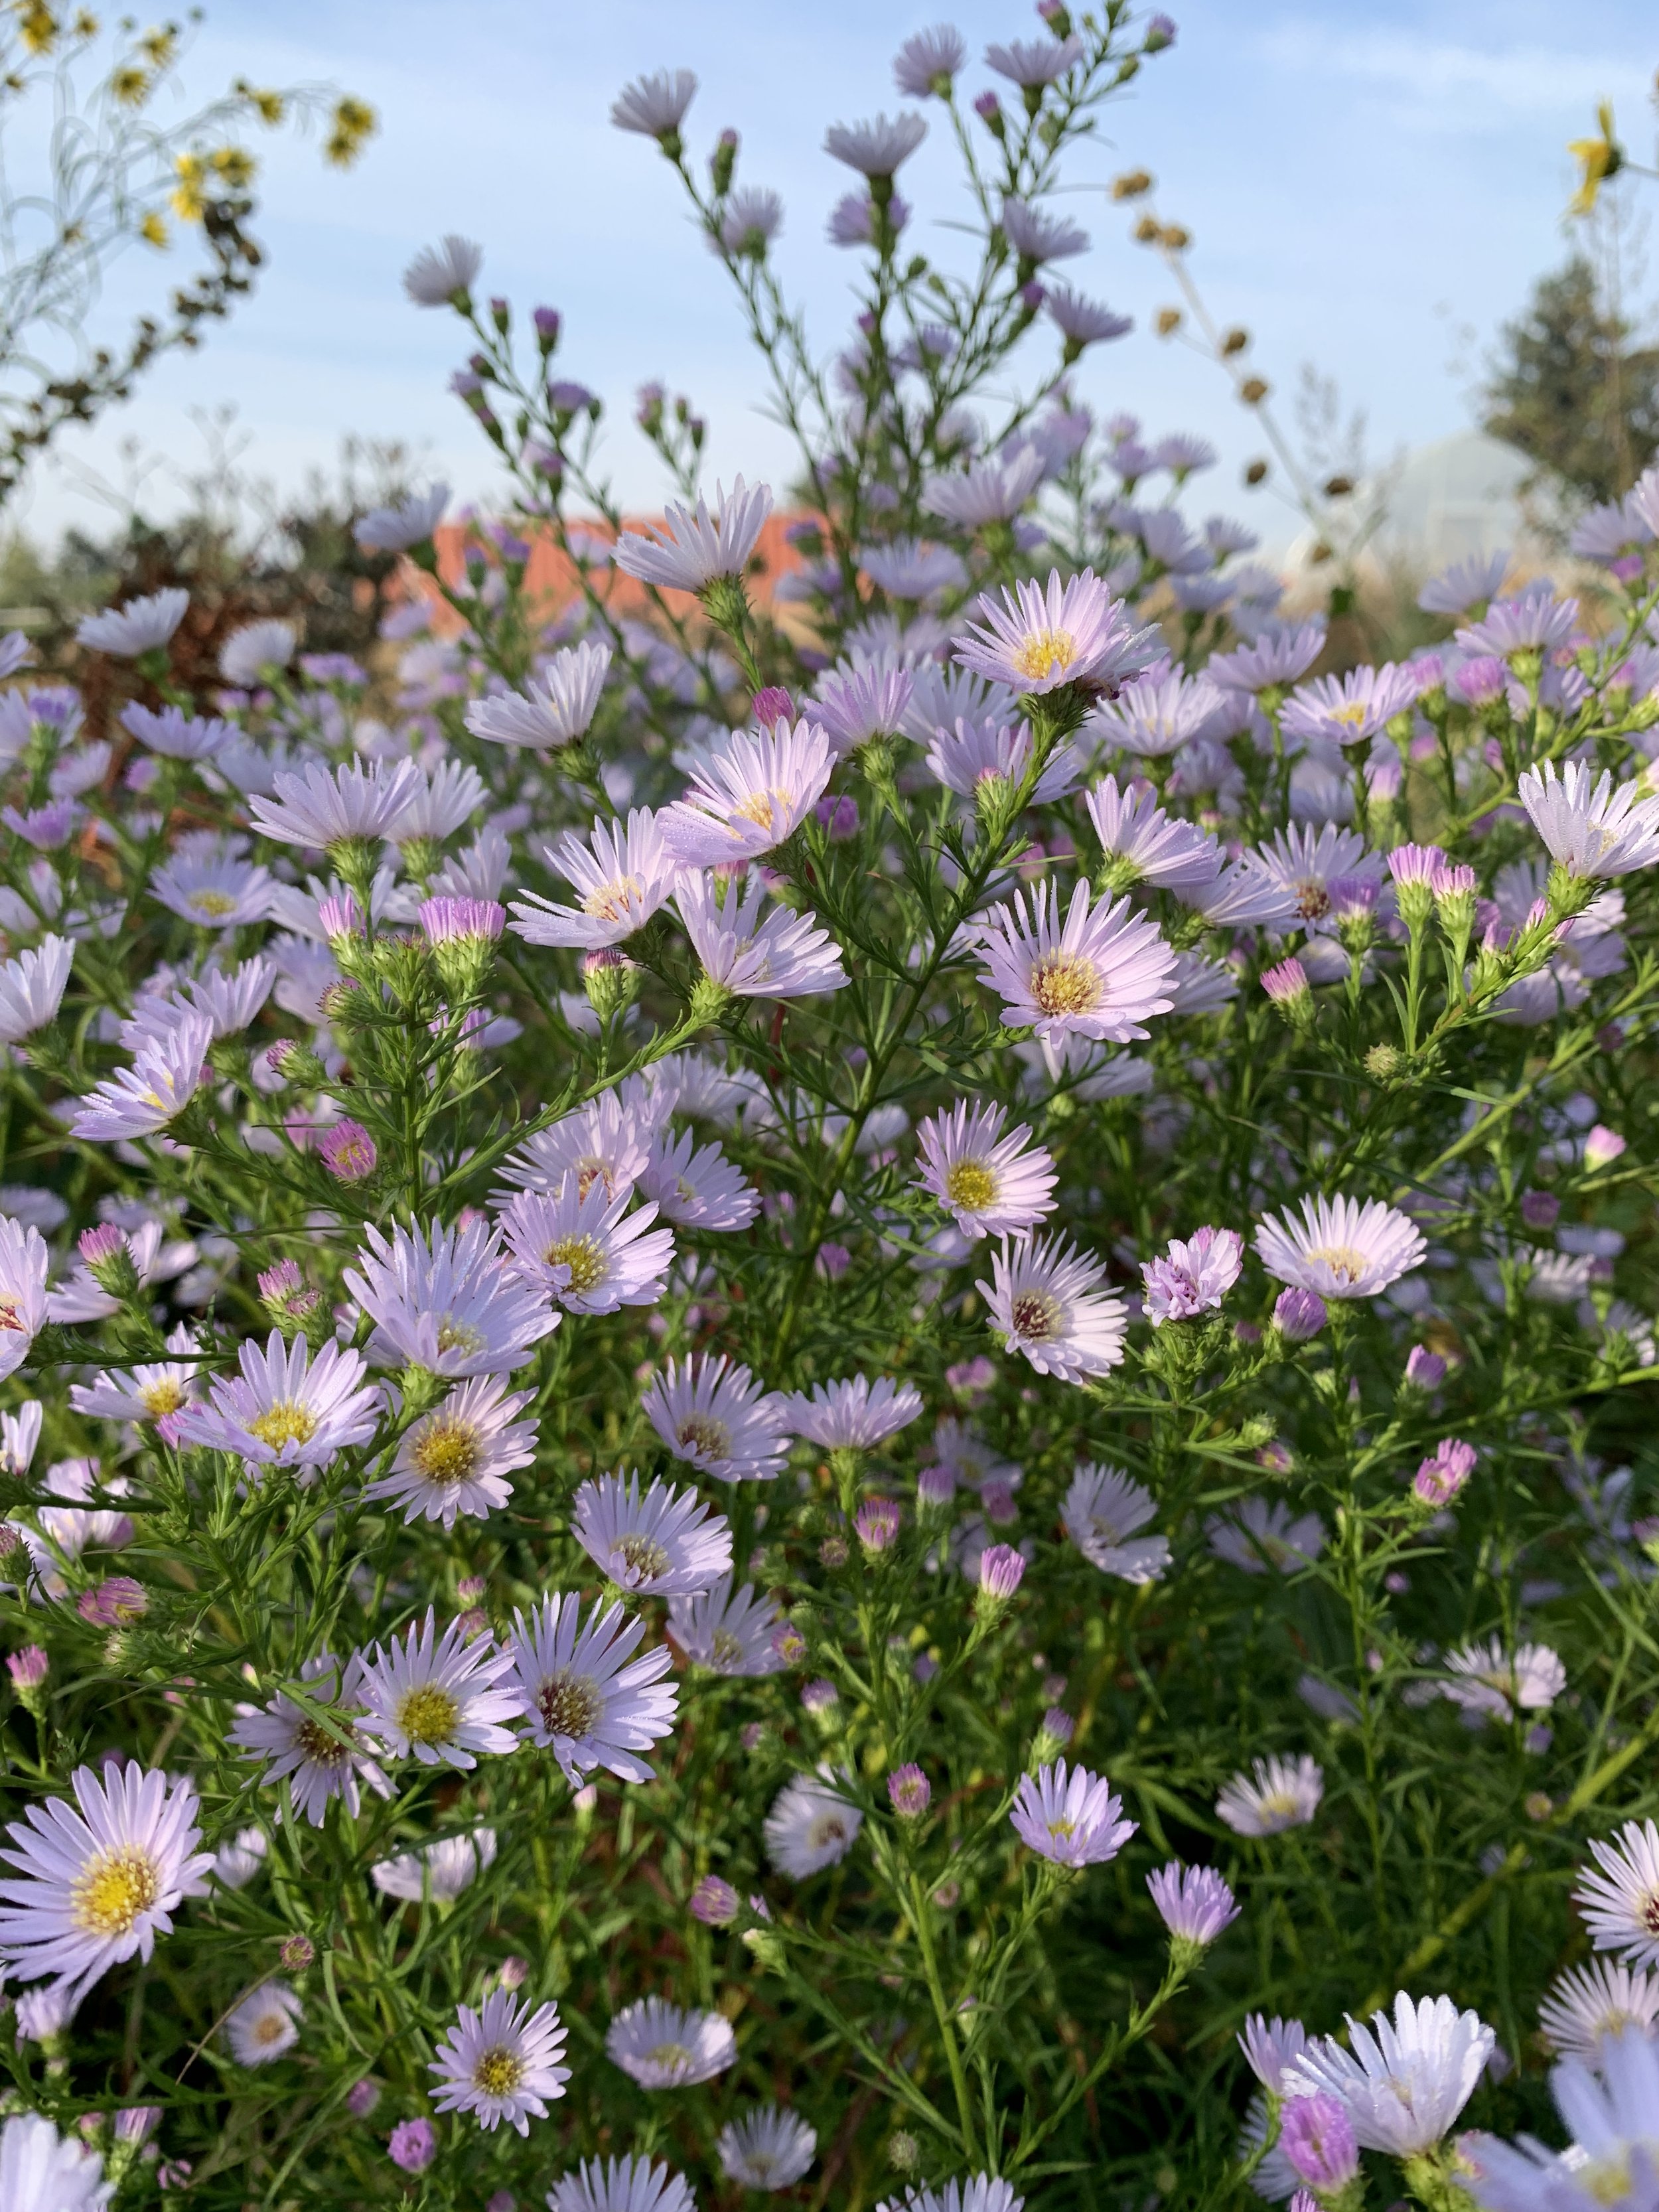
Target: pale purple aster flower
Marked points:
263	2024
1308	860
1156	712
500	2062
361	2098
1042	637
588	1253
1589	828
446	1300
1340	1248
1082	322
1073	1820
726	1634
440	273
696	1185
1258	1534
856	704
1496	1683
909	1791
906	569
315	808
1143	844
1532	622
1194	1276
230	1001
1281	653
1480	682
1103	1510
689	551
748	797
32	987
439	804
1348	709
453	1460
810	1826
1403	2086
606	1145
876	149
852	1415
662	2047
553	715
1466	584
622	877
665	1544
767	2148
717	1418
1620	1905
1299	1315
41	2170
1194	1902
412	2145
441	1871
1050	1302
581	1691
929	62
654	106
778	956
95	1886
1030	62
46	827
981	2192
141	1100
1099	972
284	1407
1276	1795
977	759
1038	237
317	1763
1271	2046
627	2185
876	1524
412	522
993	488
253	648
460	921
1589	2006
435	1698
853	221
1246	895
989	1183
749	220
1316	2138
141	626
1427	1370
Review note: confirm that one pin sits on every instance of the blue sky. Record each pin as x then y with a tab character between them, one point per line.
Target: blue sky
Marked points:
1365	180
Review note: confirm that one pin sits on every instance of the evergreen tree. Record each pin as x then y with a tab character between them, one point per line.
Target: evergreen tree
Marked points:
1572	392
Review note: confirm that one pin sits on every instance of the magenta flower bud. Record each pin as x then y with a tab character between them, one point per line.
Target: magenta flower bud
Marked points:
1286	985
137	2123
936	1485
771	705
988	107
413	2146
839	816
820	1697
1602	1146
1032	295
546	321
277	1057
28	1668
1001	1571
347	1151
714	1902
1194	1902
469	1589
788	1644
1299	1315
1425	1370
278	1283
339	917
831	1261
1479	681
513	1974
1317	2135
997	1499
1059	1723
1444	1473
361	2098
1540	1209
462	920
877	1523
1160	33
101	1243
117	1600
296	1953
908	1792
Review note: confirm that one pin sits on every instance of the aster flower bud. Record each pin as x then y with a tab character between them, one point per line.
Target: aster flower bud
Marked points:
1299	1315
1540	1209
109	1260
1002	1570
116	1600
820	1698
988	109
461	933
904	2151
513	1974
1160	33
347	1151
361	2098
935	1488
909	1791
1287	985
610	980
877	1523
296	1953
1415	869
714	1902
29	1669
788	1644
1425	1370
1196	1905
722	163
413	2145
1602	1147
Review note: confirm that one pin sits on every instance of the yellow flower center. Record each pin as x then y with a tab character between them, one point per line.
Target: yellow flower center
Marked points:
214	904
497	2072
458	1336
287	1422
159	1398
1353	712
727	1649
11	1315
1104	1532
447	1450
610	901
590	1171
701	1432
1037	1316
1062	1830
319	1746
271	2026
828	1828
583	1256
1312	900
642	1556
428	1714
1066	983
669	2056
758	808
113	1889
568	1704
1344	1261
1280	1809
1607	2180
1044	652
971	1184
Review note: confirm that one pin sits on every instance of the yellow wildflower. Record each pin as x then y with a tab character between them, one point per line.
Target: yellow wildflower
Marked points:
1599	158
355	120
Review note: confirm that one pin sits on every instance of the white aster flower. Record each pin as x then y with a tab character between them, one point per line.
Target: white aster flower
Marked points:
879	148
981	2192
1620	1904
696	1186
665	1544
1490	1680
989	1182
24	1260
1612	2164
1099	972
41	2170
622	876
140	626
1339	1248
977	759
662	2047
447	1300
263	2024
653	105
1256	1535
32	987
717	1418
726	1634
247	652
439	272
552	715
778	956
582	1693
1143	844
141	1100
1048	1301
216	891
284	1408
856	1414
810	1826
441	1871
140	1393
1103	1510
435	1698
589	1253
605	1144
396	529
1071	1820
691	550
767	2148
1404	2085
1589	828
621	2184
317	1762
748	797
1277	1794
1588	2005
93	1886
316	809
500	2062
235	1863
453	1460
